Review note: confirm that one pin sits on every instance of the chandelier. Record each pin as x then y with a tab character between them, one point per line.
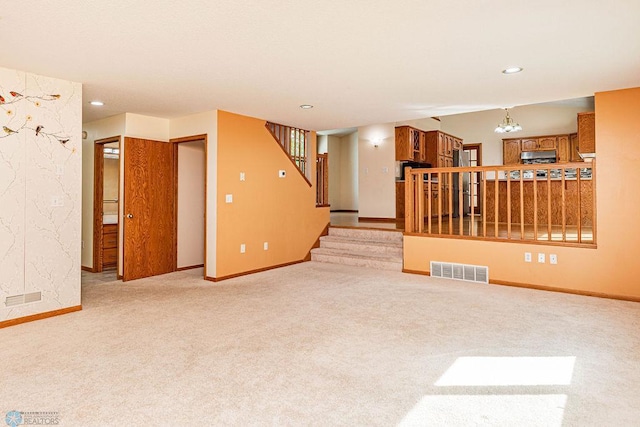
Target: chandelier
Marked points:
508	125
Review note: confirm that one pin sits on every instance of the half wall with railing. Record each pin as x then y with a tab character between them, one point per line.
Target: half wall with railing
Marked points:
549	204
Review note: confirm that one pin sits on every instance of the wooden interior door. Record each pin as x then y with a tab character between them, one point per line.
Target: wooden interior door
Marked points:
148	208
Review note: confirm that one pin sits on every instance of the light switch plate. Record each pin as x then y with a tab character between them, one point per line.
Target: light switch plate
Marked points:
266	246
541	258
282	173
242	176
553	259
527	257
228	198
243	248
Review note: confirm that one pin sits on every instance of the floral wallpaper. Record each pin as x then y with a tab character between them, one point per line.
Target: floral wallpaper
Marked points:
40	192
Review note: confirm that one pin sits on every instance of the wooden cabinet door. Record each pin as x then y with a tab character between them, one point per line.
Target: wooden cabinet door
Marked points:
404	150
449	147
511	151
563	148
587	132
547	143
423	147
529	144
442	144
442	163
416	143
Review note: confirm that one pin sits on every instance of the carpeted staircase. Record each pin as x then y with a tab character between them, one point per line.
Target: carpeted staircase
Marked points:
379	249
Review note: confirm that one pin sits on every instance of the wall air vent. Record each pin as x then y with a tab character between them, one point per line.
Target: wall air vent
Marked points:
469	273
14	300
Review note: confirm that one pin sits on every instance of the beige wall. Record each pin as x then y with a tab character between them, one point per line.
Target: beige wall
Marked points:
191	199
612	268
335	171
348	172
535	120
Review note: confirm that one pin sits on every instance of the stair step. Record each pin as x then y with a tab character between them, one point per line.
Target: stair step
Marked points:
357	259
357	245
366	234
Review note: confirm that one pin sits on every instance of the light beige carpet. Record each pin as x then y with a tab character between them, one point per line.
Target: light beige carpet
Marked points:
320	344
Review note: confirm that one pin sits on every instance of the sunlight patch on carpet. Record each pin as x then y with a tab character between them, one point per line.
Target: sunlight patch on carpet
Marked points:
508	371
491	410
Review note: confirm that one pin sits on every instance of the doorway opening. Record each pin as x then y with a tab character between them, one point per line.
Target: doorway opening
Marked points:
106	204
474	153
190	163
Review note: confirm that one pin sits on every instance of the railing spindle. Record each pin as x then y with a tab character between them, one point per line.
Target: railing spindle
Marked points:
564	207
535	205
484	203
521	205
579	192
496	213
548	204
508	206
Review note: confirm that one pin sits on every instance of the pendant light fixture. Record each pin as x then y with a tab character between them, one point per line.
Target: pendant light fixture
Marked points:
508	125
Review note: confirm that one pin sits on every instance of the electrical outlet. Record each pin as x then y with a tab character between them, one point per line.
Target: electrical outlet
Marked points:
56	201
527	257
228	198
541	258
553	259
266	246
282	173
242	177
243	248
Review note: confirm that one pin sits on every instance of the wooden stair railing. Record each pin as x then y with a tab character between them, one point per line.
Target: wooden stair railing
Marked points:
322	180
295	143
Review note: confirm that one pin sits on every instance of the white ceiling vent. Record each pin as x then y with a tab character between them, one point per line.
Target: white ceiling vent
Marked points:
14	300
469	273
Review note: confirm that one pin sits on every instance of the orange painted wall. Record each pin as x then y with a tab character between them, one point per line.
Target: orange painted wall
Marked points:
613	267
265	208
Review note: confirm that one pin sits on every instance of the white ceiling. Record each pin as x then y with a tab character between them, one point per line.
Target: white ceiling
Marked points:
358	62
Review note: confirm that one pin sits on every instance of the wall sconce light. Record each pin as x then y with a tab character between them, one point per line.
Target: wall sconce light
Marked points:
376	142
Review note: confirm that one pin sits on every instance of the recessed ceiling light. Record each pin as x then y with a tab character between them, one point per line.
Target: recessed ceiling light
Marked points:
306	106
512	70
97	103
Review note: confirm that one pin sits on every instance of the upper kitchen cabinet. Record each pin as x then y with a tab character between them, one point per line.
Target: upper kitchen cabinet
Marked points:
586	132
511	151
439	148
409	144
564	149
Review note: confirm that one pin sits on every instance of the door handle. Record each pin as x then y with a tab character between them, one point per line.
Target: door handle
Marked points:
129	216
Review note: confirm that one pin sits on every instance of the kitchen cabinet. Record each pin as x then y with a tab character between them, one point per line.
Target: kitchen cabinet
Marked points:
400	206
573	148
511	151
109	245
544	143
440	146
586	132
409	144
564	149
547	143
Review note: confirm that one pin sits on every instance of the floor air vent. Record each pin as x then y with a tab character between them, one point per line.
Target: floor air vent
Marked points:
470	273
23	299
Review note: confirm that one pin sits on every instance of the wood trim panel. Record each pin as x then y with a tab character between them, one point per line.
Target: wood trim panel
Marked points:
191	267
39	316
246	273
422	273
564	291
192	138
344	210
87	269
493	239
